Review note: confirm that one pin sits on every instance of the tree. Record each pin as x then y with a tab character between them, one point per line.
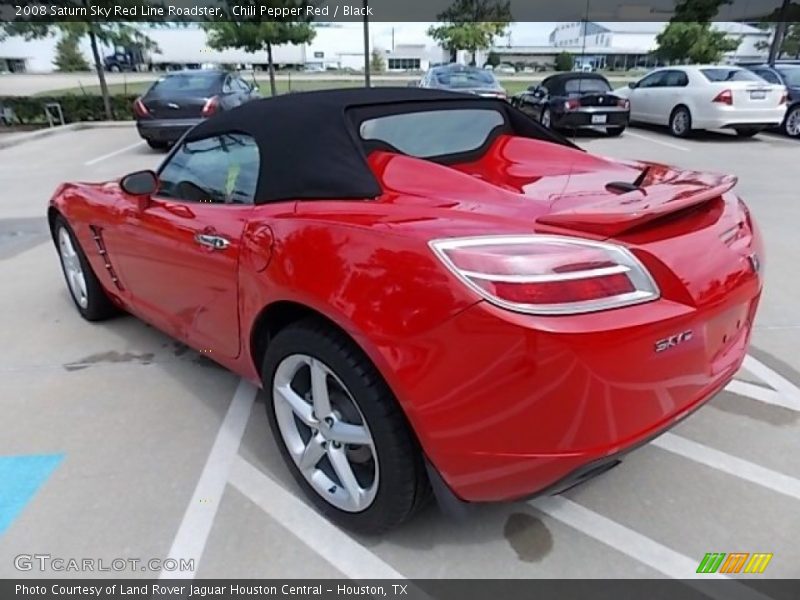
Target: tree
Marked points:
68	55
377	63
696	42
791	41
471	25
698	11
254	35
113	33
689	36
564	61
493	59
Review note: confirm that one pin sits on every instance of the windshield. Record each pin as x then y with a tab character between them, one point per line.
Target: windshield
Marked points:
790	75
584	85
426	134
188	83
730	74
465	78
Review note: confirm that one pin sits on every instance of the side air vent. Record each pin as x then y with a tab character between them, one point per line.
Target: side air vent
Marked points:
101	250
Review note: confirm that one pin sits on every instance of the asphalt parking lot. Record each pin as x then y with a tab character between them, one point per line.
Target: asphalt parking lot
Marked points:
119	442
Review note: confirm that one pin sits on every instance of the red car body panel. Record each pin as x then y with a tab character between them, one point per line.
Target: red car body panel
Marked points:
504	404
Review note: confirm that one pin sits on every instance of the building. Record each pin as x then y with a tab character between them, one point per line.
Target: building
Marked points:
620	45
341	46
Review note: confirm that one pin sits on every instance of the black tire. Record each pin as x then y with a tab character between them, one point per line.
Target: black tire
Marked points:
98	305
676	124
792	118
614	131
157	145
748	132
402	485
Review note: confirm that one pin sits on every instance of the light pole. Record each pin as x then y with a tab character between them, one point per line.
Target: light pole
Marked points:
366	45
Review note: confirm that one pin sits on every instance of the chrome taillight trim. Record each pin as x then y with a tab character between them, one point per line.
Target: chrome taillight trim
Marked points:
646	289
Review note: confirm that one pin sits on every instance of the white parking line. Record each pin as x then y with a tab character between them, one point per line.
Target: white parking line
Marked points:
757	392
315	531
190	541
732	465
94	161
657	141
637	546
790	392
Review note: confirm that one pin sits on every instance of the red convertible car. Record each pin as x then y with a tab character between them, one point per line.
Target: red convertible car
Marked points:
435	292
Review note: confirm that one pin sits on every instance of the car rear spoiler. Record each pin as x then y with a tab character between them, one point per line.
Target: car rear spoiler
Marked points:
625	211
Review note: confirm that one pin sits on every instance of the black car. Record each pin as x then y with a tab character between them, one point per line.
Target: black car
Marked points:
462	78
178	101
575	101
787	74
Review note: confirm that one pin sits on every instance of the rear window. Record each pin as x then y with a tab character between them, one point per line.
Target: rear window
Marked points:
188	83
580	86
432	133
466	78
723	74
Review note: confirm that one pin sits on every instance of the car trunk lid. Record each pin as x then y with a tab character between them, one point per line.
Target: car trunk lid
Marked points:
174	107
598	100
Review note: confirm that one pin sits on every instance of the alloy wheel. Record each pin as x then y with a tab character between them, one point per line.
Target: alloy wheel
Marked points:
72	268
793	123
680	122
325	432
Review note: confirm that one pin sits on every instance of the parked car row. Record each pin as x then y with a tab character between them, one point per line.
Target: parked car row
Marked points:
683	98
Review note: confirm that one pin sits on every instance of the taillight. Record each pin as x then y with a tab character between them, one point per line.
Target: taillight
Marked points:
724	97
572	104
548	274
210	107
624	103
140	109
784	99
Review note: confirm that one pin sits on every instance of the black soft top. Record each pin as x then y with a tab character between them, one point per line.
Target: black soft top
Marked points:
558	81
309	144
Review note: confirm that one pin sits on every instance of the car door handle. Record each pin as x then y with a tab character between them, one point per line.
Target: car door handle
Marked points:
215	242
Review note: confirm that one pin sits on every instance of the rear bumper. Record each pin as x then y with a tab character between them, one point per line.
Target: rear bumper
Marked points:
546	407
588	118
165	130
734	117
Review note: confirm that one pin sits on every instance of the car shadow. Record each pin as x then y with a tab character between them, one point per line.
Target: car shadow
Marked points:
702	136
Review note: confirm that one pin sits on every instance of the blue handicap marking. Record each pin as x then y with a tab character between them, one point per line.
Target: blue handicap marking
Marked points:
20	478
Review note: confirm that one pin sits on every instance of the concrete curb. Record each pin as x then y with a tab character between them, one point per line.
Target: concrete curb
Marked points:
21	138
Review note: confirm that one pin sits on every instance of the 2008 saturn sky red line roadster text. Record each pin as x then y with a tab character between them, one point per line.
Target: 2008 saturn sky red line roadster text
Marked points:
434	291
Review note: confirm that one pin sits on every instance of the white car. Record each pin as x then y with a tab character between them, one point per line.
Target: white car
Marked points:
706	97
505	69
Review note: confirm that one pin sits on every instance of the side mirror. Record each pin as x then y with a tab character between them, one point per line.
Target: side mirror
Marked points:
633	85
142	184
